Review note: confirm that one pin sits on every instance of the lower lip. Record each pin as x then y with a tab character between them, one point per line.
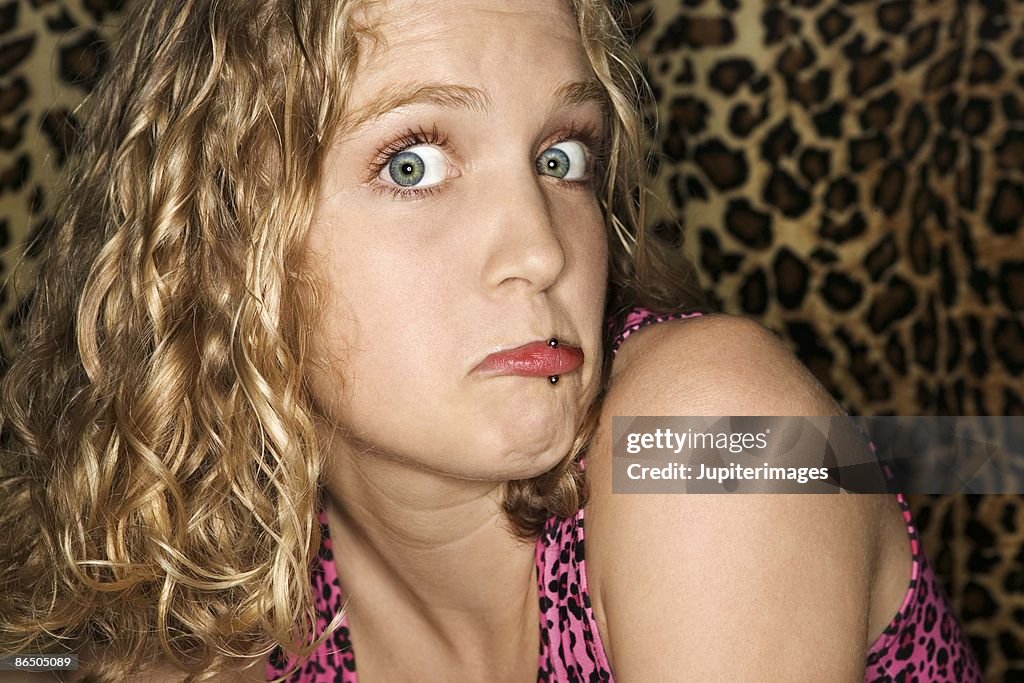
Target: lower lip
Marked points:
533	360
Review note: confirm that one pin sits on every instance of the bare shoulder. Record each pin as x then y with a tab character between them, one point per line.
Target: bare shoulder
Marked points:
715	587
714	361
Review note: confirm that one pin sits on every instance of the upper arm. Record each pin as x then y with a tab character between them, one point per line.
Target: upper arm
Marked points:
725	587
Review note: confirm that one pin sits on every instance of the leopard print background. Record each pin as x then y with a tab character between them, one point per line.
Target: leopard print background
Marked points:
850	173
51	55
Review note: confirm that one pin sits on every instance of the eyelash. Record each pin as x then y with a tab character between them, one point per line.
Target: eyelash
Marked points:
586	133
411	138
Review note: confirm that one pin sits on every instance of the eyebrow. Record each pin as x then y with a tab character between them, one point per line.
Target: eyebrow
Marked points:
464	97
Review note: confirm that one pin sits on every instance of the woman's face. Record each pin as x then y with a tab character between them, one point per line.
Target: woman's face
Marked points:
456	220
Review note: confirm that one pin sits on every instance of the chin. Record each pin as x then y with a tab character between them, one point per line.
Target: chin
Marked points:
516	466
527	449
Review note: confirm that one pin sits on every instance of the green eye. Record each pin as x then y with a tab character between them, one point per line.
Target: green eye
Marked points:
418	166
407	169
554	162
566	160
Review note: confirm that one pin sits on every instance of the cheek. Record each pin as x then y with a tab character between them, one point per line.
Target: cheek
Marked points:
592	233
378	373
379	270
382	336
588	254
597	256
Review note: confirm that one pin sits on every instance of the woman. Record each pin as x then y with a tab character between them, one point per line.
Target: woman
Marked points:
350	264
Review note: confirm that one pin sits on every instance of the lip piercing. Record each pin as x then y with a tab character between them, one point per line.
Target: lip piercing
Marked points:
553	343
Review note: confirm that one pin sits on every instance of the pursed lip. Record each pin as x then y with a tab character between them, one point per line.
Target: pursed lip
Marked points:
535	359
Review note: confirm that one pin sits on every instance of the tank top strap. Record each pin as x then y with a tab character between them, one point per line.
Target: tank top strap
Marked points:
638	318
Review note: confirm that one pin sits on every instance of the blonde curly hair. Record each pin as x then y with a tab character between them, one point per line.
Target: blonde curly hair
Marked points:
160	467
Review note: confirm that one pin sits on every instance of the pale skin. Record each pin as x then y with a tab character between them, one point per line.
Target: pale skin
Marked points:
499	255
683	587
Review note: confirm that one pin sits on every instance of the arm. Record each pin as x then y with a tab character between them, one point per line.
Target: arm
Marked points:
719	587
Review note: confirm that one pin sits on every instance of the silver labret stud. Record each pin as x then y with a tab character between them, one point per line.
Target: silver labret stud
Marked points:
553	379
553	343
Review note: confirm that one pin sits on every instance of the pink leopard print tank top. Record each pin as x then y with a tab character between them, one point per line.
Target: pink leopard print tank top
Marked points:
922	642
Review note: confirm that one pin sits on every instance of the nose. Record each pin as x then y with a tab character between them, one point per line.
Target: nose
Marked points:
527	250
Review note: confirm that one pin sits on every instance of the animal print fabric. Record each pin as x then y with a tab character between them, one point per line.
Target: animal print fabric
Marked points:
912	312
923	642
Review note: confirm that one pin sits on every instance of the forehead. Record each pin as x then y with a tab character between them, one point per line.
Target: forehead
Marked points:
477	42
